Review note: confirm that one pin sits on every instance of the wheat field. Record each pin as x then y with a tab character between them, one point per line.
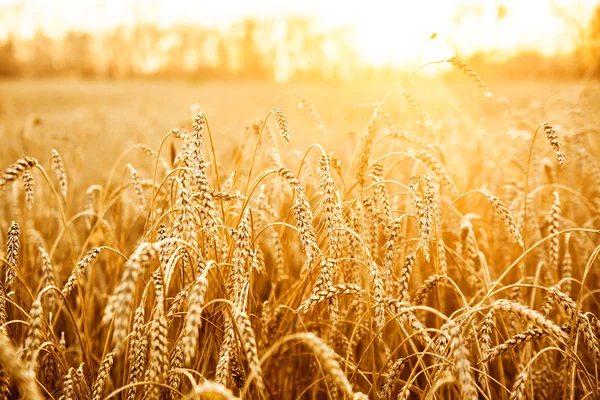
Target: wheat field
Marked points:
426	254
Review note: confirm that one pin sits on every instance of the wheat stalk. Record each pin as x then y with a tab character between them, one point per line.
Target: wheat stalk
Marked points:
103	375
12	254
59	169
16	170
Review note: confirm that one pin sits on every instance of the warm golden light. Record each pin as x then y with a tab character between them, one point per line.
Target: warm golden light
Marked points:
383	32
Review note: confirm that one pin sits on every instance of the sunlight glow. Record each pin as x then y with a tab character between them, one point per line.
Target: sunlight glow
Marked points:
385	32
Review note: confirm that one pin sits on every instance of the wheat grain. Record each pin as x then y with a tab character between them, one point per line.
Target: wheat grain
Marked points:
282	124
34	337
470	72
16	170
515	341
193	319
24	378
407	267
103	375
212	390
553	218
461	361
327	294
123	295
247	337
80	269
59	169
555	143
518	392
12	254
158	360
28	185
393	376
507	218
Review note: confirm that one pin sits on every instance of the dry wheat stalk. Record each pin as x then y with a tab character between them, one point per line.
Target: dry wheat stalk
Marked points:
249	341
382	196
282	124
212	390
81	380
555	143
150	152
208	211
123	294
59	169
137	332
414	139
442	260
567	270
521	338
24	378
384	115
80	269
518	391
584	325
470	72
158	360
332	209
485	344
327	359
553	219
416	104
138	352
507	218
194	317
393	377
532	316
176	362
302	214
16	170
137	185
366	143
68	385
428	285
407	267
34	336
378	295
407	317
438	169
223	372
390	253
103	375
328	293
47	277
242	255
461	362
12	254
303	102
28	185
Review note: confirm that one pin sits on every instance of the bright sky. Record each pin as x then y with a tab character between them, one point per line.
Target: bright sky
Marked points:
386	31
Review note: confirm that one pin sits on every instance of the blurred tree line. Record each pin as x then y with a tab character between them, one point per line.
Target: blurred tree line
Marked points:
278	49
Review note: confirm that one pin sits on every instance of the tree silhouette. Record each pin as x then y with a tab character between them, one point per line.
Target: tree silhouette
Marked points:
8	61
589	50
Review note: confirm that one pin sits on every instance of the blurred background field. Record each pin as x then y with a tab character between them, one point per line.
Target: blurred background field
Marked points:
102	118
451	147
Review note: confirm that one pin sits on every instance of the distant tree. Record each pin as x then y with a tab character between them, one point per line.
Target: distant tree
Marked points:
592	48
252	60
78	56
8	62
145	48
43	59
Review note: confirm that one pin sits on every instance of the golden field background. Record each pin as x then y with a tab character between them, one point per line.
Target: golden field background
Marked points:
385	263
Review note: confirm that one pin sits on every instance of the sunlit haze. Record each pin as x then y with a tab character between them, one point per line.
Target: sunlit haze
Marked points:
383	32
